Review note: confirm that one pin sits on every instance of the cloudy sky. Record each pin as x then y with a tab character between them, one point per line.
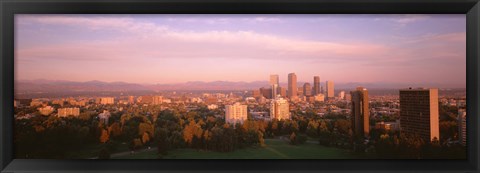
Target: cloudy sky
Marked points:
180	48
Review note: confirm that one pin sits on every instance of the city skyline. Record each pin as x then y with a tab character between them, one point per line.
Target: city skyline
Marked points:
180	48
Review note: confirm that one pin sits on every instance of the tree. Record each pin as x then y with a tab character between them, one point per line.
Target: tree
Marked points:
145	138
104	137
162	141
293	139
189	132
145	128
115	129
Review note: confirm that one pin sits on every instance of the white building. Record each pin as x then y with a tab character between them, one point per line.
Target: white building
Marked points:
47	110
64	112
104	116
341	95
212	106
236	113
279	109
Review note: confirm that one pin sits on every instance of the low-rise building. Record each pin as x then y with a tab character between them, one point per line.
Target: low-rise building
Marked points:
64	112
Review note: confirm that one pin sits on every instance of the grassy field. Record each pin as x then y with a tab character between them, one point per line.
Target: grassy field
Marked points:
275	149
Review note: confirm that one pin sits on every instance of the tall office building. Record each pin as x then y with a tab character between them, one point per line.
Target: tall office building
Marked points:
274	79
419	113
307	89
274	82
275	91
282	91
300	91
279	109
360	112
266	92
292	86
330	89
236	113
316	85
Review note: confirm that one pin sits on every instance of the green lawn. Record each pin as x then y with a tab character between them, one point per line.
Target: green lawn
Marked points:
275	149
91	151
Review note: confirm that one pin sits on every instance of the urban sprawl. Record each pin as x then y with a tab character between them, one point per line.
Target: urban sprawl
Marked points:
414	123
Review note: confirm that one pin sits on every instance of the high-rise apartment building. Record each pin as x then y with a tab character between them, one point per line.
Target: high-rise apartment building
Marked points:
279	109
316	85
292	86
330	89
307	89
419	113
360	112
236	113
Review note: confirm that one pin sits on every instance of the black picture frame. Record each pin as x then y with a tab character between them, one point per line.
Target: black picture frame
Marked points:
8	8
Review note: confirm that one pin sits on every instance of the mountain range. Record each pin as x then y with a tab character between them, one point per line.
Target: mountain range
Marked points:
43	85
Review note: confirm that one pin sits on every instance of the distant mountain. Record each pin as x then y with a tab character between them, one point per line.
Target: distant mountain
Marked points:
69	86
215	85
43	85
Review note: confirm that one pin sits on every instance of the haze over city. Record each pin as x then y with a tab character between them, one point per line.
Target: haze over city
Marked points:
166	49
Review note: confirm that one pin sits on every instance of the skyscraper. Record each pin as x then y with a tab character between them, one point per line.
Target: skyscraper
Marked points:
266	92
292	86
307	89
330	89
274	83
279	109
282	91
419	113
236	113
316	85
274	79
360	112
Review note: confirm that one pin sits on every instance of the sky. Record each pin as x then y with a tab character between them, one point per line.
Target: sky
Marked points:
164	49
